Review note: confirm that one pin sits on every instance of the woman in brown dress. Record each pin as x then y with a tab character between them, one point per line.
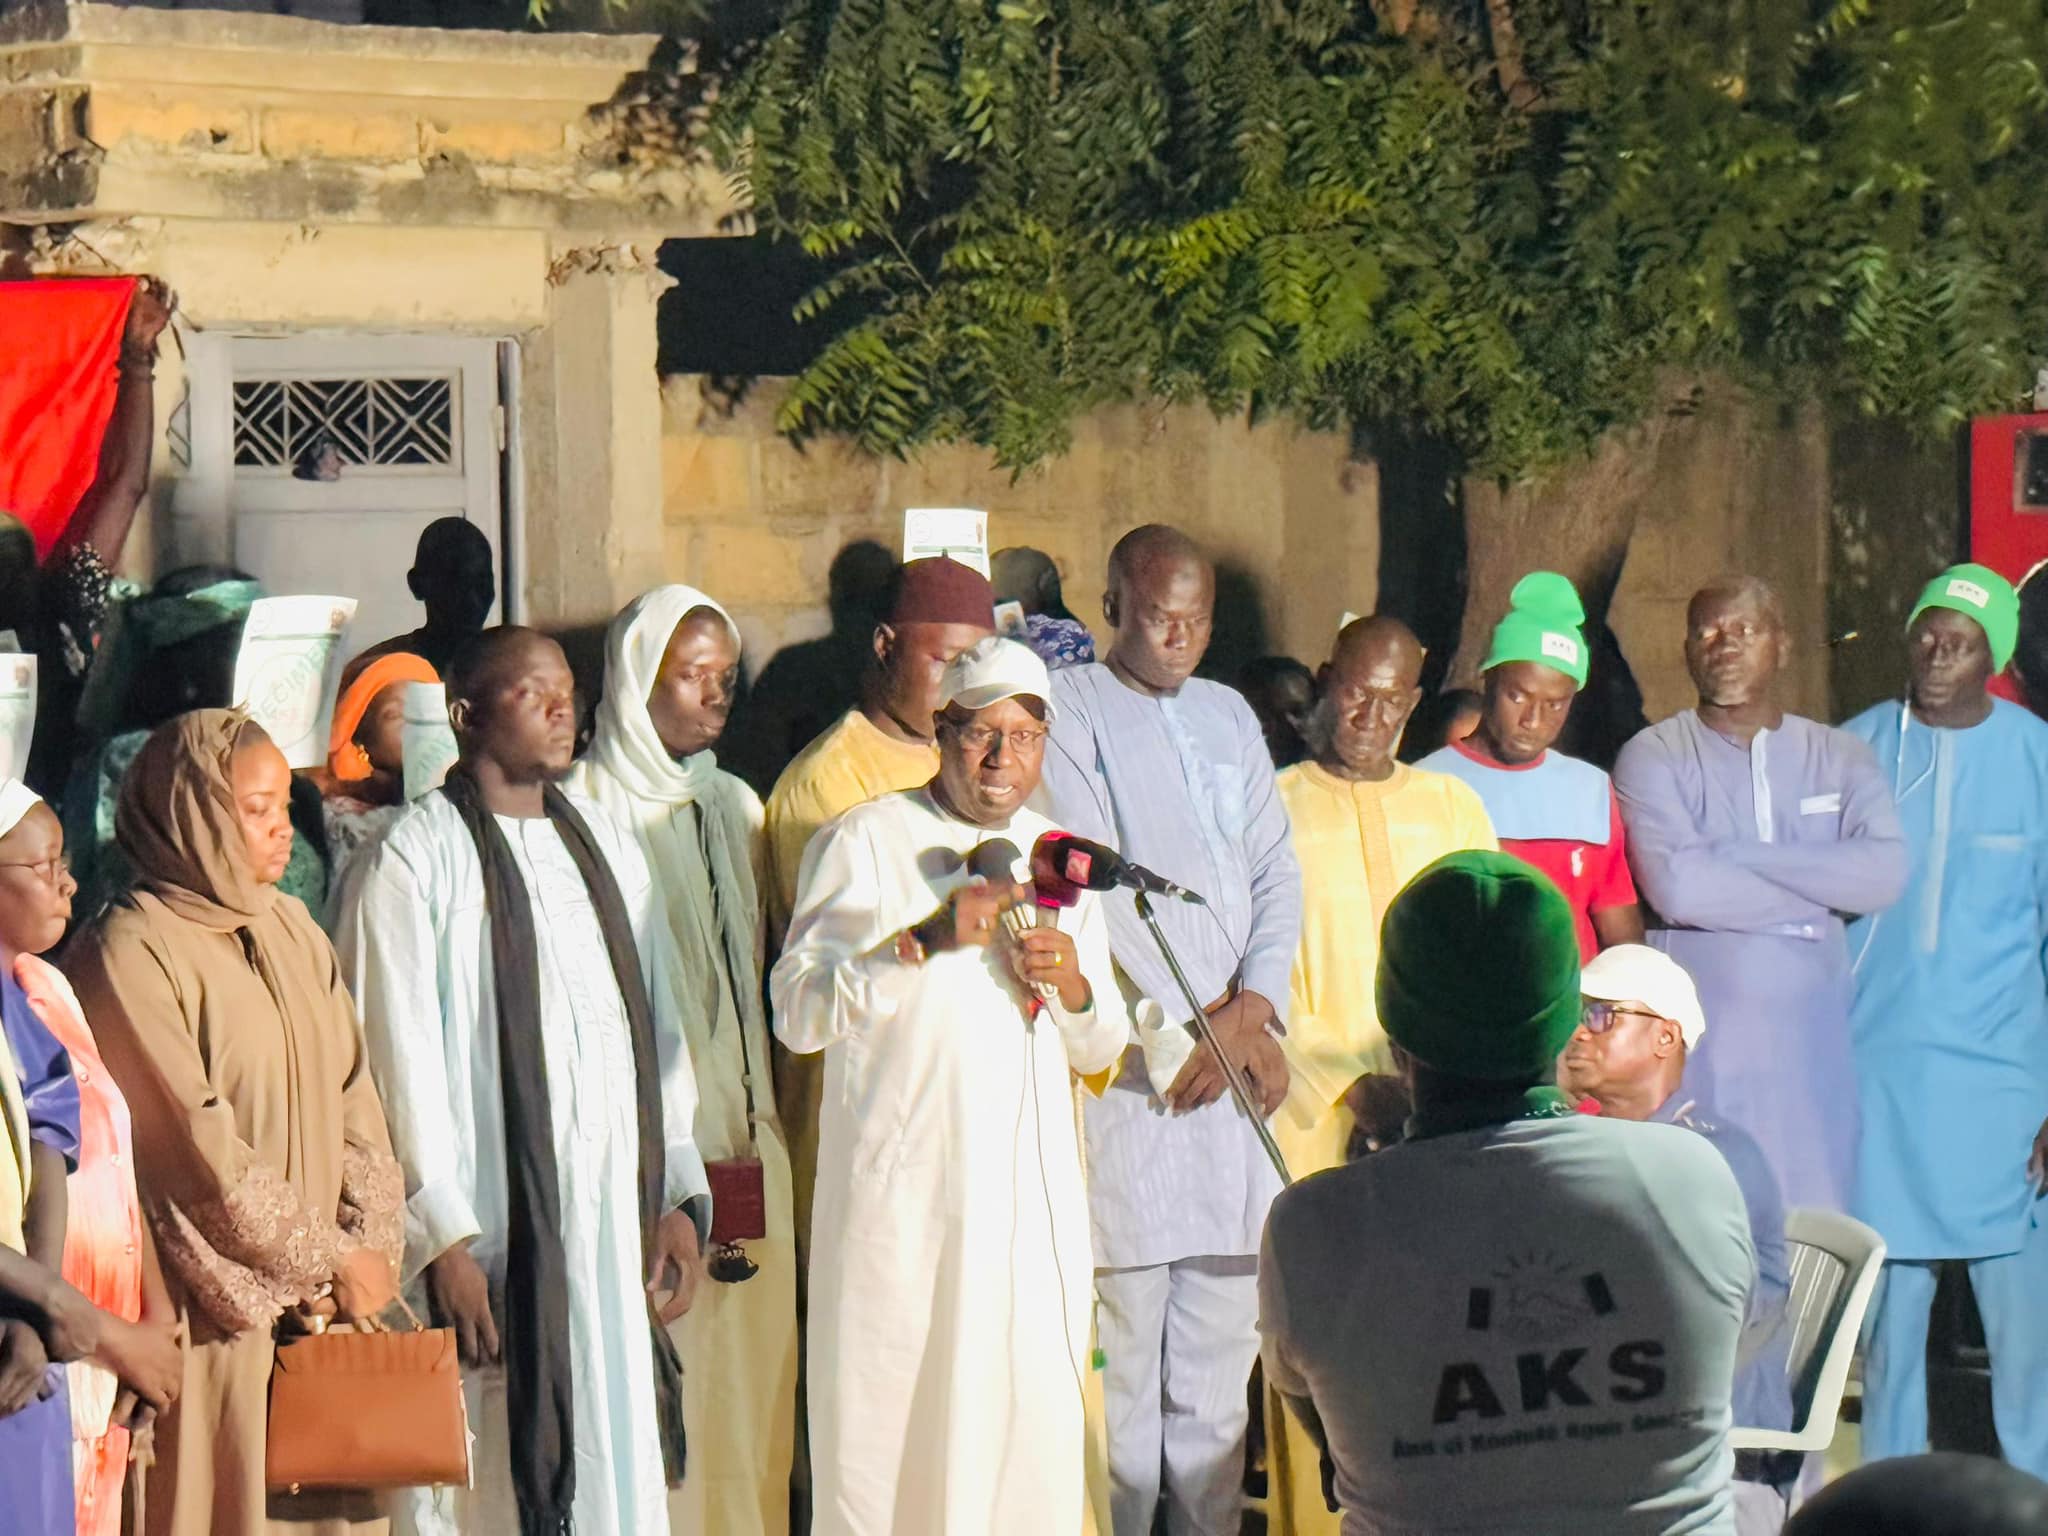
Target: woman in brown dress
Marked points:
264	1166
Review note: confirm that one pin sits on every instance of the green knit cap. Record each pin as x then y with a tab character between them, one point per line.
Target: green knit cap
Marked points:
1542	625
1479	968
1980	593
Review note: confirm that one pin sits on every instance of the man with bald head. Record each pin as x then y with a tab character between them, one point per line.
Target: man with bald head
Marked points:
1364	826
510	959
1173	772
1751	832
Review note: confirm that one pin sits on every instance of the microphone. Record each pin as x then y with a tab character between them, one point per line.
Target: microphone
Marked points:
1095	867
1051	889
996	862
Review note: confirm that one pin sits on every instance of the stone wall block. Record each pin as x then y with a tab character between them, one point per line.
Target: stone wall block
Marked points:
336	134
115	114
27	125
756	565
494	141
707	477
822	479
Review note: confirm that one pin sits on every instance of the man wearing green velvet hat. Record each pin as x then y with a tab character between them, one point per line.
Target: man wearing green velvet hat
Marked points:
1950	1024
1553	811
1520	1320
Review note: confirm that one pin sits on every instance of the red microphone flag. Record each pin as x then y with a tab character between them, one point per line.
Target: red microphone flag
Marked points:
59	341
1051	868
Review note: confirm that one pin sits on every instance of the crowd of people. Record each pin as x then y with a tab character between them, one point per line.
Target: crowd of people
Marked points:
819	1159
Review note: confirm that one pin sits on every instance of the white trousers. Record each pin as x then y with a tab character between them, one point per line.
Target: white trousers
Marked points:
1178	1342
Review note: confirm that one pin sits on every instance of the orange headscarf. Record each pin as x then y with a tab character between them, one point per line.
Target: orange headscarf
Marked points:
345	760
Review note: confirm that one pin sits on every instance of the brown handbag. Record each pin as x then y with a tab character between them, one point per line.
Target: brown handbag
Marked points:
739	1201
367	1408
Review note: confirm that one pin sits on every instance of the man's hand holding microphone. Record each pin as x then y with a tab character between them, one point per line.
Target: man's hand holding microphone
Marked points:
993	903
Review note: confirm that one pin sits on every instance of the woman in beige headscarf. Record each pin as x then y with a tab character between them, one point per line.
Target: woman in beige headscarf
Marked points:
263	1162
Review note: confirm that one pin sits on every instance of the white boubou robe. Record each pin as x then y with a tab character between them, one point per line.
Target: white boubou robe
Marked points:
950	1263
415	943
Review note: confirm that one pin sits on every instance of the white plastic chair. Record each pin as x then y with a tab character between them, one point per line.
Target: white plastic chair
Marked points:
1835	1260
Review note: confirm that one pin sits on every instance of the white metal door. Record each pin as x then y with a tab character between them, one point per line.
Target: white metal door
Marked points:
416	422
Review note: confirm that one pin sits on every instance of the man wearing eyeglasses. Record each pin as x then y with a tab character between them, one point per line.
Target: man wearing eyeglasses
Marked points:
950	1259
1640	1020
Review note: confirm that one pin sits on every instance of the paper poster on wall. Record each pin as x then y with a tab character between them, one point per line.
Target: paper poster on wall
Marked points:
1348	620
17	713
426	739
1010	621
289	668
958	532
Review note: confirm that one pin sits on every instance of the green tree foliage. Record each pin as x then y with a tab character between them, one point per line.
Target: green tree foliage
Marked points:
1498	222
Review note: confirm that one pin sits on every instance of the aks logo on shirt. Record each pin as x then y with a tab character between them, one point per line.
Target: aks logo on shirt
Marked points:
1544	1306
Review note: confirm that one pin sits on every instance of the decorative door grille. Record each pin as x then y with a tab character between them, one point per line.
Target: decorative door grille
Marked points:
374	423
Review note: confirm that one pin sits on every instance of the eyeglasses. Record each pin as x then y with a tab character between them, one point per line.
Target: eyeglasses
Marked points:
53	870
980	740
1598	1016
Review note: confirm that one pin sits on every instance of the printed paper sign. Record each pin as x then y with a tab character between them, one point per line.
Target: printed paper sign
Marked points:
1349	619
428	741
289	668
17	713
958	532
1010	620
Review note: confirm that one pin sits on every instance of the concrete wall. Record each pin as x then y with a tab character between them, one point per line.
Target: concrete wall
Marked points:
1293	520
756	521
1897	509
1737	486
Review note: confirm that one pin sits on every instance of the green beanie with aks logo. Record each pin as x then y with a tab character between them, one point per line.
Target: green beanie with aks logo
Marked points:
1543	625
1980	593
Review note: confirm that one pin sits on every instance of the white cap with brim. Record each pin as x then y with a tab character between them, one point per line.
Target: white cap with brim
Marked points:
993	669
1636	973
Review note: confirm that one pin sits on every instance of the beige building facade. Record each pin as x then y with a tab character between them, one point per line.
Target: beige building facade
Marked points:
435	248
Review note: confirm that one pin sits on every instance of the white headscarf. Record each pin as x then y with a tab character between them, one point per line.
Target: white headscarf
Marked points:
16	801
630	773
626	746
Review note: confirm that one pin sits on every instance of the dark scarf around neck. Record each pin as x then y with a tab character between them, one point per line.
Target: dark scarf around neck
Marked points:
536	1325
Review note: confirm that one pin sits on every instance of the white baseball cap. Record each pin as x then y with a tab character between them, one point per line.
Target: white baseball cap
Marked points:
1636	973
993	669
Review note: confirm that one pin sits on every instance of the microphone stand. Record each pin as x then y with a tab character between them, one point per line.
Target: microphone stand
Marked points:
1239	1089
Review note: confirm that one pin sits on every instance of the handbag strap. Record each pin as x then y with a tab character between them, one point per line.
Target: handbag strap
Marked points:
725	975
373	1326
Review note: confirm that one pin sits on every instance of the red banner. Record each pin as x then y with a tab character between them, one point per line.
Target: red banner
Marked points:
59	341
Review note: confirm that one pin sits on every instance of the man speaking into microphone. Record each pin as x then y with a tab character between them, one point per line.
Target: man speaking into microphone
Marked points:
950	1261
